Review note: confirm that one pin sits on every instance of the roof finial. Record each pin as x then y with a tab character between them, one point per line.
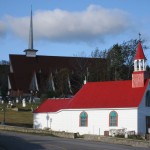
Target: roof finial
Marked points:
31	32
139	36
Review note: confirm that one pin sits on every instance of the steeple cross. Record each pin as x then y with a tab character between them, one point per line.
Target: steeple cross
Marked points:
139	36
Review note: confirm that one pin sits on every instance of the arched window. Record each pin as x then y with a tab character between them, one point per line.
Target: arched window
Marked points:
113	118
83	119
147	101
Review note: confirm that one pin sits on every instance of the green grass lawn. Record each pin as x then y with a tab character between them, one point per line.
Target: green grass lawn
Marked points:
18	118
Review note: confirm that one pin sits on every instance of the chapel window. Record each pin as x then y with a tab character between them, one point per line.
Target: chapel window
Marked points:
113	118
83	119
147	99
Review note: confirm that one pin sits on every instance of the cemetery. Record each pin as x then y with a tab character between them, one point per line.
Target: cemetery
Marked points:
17	113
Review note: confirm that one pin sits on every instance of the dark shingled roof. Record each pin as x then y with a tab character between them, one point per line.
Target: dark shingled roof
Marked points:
24	67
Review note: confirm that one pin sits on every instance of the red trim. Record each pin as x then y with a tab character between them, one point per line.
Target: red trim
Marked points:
116	119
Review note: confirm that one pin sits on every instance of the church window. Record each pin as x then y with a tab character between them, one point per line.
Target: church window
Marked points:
113	118
83	119
148	99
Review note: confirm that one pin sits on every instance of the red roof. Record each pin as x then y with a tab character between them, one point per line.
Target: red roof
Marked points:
52	105
111	94
139	52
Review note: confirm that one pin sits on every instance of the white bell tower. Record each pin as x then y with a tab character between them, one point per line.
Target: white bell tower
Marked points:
139	75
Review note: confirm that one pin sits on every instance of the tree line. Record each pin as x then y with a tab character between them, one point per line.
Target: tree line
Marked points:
120	59
4	70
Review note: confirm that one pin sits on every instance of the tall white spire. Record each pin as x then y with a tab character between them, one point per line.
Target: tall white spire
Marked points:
31	32
30	52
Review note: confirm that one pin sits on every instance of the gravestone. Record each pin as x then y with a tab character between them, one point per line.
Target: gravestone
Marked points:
17	101
23	103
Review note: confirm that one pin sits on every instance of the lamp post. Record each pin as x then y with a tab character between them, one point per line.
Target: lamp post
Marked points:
4	110
4	107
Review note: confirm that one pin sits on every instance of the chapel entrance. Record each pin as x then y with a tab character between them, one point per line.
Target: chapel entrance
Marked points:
147	123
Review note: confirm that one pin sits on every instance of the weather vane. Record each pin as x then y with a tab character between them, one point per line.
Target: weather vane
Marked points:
139	36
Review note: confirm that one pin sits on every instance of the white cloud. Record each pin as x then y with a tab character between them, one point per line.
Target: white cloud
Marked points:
20	26
92	24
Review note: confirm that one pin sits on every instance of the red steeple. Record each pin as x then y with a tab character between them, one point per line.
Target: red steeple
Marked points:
139	52
139	75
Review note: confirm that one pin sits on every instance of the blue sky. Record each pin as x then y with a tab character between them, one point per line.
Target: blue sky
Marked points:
71	27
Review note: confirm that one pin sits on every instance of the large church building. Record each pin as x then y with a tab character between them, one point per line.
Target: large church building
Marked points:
32	75
102	106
